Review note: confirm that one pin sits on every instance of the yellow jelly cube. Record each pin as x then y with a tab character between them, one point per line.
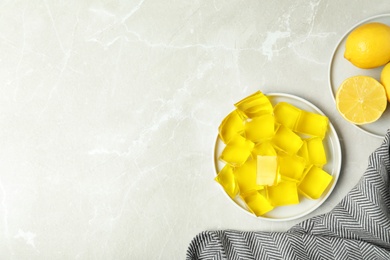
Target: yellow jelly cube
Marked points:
315	182
285	193
234	155
226	178
291	167
257	203
304	153
286	140
316	151
267	170
312	124
246	176
237	151
231	125
286	114
260	128
264	148
255	105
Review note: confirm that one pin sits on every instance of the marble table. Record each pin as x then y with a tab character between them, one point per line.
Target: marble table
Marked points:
109	111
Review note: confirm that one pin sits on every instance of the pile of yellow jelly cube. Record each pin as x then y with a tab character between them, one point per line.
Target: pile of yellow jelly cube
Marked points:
272	154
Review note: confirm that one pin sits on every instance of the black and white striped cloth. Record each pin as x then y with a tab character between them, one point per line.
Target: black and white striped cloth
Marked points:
357	228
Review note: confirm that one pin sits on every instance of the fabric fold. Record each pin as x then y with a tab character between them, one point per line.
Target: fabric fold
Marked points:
358	227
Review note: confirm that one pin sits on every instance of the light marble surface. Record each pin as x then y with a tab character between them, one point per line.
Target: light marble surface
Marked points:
109	111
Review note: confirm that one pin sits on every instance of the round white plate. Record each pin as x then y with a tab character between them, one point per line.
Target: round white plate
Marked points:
334	156
341	69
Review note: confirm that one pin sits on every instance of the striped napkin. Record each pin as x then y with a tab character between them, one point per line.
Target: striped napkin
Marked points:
357	228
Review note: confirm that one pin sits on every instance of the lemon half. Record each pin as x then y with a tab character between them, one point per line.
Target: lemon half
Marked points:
361	99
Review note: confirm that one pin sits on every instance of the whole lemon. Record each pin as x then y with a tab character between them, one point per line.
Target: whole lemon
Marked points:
368	45
385	79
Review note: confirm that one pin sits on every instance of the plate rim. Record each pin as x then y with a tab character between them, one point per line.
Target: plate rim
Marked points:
336	175
333	94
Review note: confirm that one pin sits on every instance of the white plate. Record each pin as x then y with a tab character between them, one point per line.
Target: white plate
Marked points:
341	69
333	152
